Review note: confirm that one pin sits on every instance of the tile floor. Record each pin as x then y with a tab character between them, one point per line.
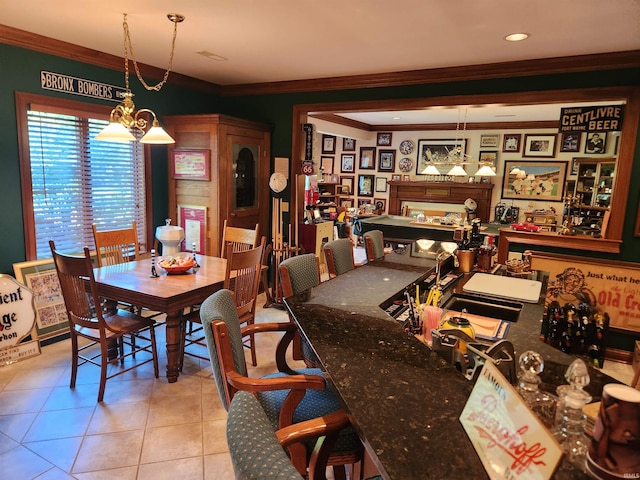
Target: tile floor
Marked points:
146	428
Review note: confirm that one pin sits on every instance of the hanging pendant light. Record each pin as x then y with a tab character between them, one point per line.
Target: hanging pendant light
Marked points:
486	171
124	116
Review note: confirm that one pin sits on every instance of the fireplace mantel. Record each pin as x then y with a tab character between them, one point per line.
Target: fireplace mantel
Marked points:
441	192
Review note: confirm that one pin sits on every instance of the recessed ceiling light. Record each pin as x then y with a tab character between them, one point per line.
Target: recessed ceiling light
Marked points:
212	56
516	37
396	118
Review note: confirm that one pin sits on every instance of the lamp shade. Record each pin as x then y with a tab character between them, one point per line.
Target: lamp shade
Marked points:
430	170
115	132
457	171
486	171
157	136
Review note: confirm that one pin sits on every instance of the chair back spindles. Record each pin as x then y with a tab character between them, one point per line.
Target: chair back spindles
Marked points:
116	246
240	238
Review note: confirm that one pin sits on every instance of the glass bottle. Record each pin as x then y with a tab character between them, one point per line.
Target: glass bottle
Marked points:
543	404
571	434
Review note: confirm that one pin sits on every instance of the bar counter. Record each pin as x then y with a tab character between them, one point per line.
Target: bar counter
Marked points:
403	399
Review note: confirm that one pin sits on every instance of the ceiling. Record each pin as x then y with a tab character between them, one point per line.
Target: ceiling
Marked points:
280	40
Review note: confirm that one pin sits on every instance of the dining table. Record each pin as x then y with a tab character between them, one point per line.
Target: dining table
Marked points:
135	284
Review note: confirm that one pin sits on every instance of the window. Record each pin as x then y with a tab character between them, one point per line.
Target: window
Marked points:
75	181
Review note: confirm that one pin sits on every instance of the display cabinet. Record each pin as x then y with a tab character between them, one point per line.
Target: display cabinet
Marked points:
594	182
329	198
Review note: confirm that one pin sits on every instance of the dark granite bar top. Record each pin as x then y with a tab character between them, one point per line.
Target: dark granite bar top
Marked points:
404	399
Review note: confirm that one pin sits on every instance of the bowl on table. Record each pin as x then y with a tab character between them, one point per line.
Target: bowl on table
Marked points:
176	264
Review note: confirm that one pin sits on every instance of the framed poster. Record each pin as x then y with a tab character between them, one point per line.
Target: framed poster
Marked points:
348	144
489	141
383	139
387	160
365	185
596	143
193	219
347	163
528	180
347	183
539	145
488	157
436	151
191	164
381	184
511	142
367	158
328	144
326	165
570	141
41	277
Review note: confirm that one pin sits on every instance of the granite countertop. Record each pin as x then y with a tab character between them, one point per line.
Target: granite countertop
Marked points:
404	399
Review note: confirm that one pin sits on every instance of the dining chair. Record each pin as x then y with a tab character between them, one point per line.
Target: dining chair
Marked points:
116	246
240	238
374	244
287	396
258	452
107	329
242	278
339	256
298	274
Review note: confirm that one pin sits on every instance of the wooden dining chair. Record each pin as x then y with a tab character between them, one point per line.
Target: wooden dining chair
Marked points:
116	246
240	238
287	396
107	330
339	256
242	278
374	244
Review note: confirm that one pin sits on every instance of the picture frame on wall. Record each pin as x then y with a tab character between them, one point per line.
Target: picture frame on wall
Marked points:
346	202
190	164
596	143
347	163
386	160
326	165
488	157
380	204
530	180
328	144
367	158
489	141
381	184
348	144
575	165
396	177
436	151
570	141
347	181
383	139
511	142
365	185
539	145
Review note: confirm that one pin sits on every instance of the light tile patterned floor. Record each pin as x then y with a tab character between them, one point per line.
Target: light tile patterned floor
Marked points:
145	429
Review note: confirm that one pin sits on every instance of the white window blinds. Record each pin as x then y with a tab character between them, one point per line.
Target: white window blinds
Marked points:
78	181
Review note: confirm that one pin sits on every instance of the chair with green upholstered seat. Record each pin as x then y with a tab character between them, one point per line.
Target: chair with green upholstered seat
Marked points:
374	244
339	256
287	396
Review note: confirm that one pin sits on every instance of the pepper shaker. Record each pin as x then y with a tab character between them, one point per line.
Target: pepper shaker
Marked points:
153	273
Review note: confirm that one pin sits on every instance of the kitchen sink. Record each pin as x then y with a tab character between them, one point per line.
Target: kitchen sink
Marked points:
484	306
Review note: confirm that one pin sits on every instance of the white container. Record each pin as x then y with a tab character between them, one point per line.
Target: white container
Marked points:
170	236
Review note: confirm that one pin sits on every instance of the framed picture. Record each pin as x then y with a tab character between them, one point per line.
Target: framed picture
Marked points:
326	165
367	158
41	278
190	164
539	145
511	142
348	144
364	201
381	184
347	181
396	177
575	165
383	139
436	151
570	141
489	141
386	160
596	143
529	180
347	163
381	204
488	157
193	219
365	185
406	178
346	202
328	144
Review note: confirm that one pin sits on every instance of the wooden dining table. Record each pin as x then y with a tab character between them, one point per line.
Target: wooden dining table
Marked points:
133	283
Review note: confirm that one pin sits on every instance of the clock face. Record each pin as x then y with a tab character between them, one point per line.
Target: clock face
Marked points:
406	147
405	164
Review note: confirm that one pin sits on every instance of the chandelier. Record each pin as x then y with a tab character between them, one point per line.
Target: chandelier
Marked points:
456	158
124	116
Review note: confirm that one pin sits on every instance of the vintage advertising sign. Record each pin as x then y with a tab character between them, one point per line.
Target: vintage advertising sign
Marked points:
79	86
603	118
17	319
612	287
510	440
307	161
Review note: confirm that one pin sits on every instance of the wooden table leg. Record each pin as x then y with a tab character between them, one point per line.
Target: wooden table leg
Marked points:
173	329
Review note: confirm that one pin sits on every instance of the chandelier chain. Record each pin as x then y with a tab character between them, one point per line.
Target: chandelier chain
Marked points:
128	49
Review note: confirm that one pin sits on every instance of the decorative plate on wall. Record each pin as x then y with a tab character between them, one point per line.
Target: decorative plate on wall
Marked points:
405	164
406	147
